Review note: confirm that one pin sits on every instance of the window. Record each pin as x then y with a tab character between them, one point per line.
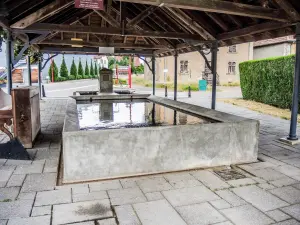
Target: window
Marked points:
232	49
184	66
231	68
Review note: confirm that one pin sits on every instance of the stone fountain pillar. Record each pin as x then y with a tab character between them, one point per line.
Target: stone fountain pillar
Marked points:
106	81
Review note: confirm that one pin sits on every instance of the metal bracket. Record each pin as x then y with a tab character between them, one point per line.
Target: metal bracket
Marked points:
47	60
147	63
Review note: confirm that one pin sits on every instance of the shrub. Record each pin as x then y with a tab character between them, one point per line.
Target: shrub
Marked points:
86	77
79	77
269	81
86	70
80	69
61	79
63	69
73	69
71	77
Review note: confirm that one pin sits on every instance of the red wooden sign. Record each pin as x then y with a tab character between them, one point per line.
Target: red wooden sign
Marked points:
89	4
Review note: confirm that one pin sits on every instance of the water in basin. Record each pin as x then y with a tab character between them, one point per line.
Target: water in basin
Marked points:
109	114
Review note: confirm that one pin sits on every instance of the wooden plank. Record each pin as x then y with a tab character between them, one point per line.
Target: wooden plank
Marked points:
101	44
218	20
255	29
43	13
289	9
220	6
108	31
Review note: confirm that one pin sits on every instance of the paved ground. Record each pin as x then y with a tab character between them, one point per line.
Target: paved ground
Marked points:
269	193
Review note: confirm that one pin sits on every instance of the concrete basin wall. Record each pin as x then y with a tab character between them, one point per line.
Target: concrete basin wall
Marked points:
104	154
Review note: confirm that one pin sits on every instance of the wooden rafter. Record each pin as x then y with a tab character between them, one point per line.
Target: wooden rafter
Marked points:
289	9
43	13
220	6
144	14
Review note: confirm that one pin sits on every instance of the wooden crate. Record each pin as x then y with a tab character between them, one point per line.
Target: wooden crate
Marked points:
26	111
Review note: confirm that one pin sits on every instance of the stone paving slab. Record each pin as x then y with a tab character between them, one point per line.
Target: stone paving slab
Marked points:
188	196
293	211
16	180
10	193
154	185
200	214
81	211
288	194
231	198
41	220
158	213
29	169
126	196
246	215
39	182
210	180
41	211
105	185
89	196
21	208
53	197
277	215
106	222
126	215
288	222
261	199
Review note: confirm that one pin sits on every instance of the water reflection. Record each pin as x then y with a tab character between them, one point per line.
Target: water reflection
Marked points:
126	114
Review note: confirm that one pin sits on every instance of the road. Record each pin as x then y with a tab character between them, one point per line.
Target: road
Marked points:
65	89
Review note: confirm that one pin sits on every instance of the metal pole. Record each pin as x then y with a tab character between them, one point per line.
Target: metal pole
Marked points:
29	70
40	78
190	92
153	73
214	51
9	62
175	75
166	91
293	127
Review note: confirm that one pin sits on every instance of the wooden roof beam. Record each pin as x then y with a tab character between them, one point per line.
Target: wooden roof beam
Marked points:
108	18
218	20
289	9
192	24
101	44
143	15
43	13
255	29
109	31
220	6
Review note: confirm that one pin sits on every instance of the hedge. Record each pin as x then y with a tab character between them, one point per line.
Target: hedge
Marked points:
269	81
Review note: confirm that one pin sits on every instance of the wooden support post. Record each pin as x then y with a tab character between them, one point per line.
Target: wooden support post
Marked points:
153	73
40	77
214	56
29	71
293	128
9	61
175	75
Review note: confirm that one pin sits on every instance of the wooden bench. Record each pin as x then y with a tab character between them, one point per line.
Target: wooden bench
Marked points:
6	114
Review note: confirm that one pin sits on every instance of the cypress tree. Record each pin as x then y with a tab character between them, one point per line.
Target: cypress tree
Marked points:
73	70
80	69
63	69
96	70
55	71
87	70
92	71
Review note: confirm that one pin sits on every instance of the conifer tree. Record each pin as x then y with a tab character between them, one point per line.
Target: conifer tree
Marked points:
92	71
86	70
63	69
73	70
80	69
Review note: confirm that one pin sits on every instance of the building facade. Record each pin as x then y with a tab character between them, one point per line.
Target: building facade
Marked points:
192	67
282	46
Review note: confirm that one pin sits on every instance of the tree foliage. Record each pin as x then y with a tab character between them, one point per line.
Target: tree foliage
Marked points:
96	69
73	70
269	81
80	69
86	70
63	69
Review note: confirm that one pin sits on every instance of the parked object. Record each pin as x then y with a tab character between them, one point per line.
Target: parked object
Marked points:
202	85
